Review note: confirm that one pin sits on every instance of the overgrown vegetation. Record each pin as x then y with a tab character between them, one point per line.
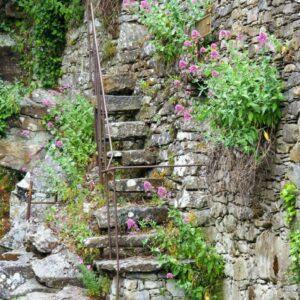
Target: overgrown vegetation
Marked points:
8	180
40	34
169	22
244	96
183	252
10	96
289	194
71	123
96	286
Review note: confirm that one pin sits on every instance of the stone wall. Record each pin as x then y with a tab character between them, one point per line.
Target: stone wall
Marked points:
251	235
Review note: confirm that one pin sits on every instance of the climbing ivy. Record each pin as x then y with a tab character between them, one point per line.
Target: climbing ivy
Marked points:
289	195
40	36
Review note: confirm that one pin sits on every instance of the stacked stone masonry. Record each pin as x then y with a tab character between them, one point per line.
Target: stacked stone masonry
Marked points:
251	235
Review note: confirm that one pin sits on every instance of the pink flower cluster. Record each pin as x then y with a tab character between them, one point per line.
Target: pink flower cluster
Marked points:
48	103
25	133
181	110
59	144
224	34
161	191
131	225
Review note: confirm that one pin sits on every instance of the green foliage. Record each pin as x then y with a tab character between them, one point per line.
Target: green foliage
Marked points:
97	286
244	98
10	95
71	123
289	195
41	36
182	250
169	22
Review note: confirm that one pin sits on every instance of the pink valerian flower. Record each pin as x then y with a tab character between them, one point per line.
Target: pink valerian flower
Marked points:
80	260
131	224
89	267
162	192
195	35
214	46
179	109
50	125
202	50
145	5
48	103
170	276
128	3
59	144
224	34
182	64
23	169
187	44
240	37
214	73
187	115
147	186
214	54
262	38
193	69
25	133
177	83
57	118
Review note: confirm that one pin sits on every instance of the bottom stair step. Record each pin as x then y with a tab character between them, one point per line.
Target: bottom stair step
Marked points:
129	265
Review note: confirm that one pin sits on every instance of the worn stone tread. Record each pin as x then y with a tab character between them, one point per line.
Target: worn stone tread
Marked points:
136	240
134	157
130	265
123	104
158	214
128	130
135	184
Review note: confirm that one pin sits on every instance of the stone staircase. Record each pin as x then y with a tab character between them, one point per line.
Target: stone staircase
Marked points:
135	262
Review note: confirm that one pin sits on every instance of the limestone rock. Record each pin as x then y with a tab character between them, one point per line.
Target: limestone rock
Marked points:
272	256
157	214
130	265
189	199
127	130
42	239
57	270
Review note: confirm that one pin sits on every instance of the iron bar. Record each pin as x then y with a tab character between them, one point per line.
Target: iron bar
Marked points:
116	232
29	198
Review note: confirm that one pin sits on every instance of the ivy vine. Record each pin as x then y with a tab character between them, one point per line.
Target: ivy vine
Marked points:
40	36
289	195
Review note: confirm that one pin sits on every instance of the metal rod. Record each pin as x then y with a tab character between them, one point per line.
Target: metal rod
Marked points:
29	199
116	233
108	214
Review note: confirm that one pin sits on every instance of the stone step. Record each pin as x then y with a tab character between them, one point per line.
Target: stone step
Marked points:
126	252
123	104
158	214
128	130
137	240
134	157
135	185
129	265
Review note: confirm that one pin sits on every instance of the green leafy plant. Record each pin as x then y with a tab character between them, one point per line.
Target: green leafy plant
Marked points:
170	22
41	36
71	124
244	97
10	96
97	286
289	195
182	250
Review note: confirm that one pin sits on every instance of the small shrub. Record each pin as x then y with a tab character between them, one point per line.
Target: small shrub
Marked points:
170	22
71	124
97	286
10	96
193	263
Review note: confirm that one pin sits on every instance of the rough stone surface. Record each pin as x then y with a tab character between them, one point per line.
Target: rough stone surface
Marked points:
57	270
130	265
157	214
